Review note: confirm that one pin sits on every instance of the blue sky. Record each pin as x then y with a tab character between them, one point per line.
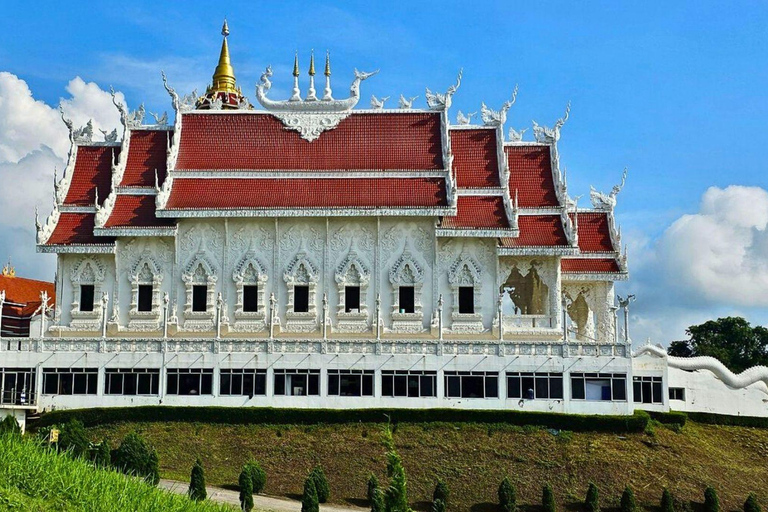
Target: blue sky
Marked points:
675	91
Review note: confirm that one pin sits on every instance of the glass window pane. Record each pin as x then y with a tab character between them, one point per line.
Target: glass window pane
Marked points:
279	384
513	387
491	386
225	384
577	388
428	385
453	386
387	385
556	388
619	389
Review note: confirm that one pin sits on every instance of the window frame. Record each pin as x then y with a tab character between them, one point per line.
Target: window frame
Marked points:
365	386
205	380
258	385
284	373
71	378
451	377
536	378
390	378
579	381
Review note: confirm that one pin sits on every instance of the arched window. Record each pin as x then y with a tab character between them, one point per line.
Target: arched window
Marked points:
200	282
146	276
87	278
301	277
464	277
250	277
352	278
407	278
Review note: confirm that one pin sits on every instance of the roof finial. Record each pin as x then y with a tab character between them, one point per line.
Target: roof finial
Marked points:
225	28
224	75
311	94
296	96
327	63
312	64
327	92
296	65
8	269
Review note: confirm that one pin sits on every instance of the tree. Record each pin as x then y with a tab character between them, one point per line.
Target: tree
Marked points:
135	457
309	501
548	499
72	439
441	492
751	504
592	502
246	489
258	476
9	425
321	484
732	340
102	457
396	496
197	490
507	496
667	502
628	503
372	488
437	506
711	501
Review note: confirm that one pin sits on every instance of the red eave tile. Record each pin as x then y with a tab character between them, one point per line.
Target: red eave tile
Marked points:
135	211
195	193
93	170
530	174
478	212
25	291
594	233
146	152
538	231
359	142
474	158
590	265
76	228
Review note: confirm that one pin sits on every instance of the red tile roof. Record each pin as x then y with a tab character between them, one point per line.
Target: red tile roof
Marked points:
76	228
146	152
93	169
478	212
359	142
136	212
530	173
594	233
474	158
195	193
589	265
538	231
24	291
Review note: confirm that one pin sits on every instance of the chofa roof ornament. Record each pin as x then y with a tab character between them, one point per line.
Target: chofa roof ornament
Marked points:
546	135
437	101
602	201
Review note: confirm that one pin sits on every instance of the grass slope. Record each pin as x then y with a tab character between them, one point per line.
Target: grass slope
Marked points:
33	478
472	458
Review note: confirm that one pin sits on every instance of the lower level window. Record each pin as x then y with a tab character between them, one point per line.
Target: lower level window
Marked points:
17	385
243	382
297	382
132	381
189	381
471	384
647	390
414	384
350	382
535	386
70	381
677	394
199	298
599	386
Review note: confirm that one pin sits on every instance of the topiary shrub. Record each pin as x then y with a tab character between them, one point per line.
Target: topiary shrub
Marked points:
246	489
711	501
592	502
101	455
437	506
197	490
73	440
751	504
9	426
507	496
628	503
667	501
258	476
441	492
135	457
309	501
548	499
321	484
396	495
378	503
372	488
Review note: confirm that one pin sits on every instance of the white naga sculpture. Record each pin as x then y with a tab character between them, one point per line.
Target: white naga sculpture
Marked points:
492	117
437	101
406	102
109	136
546	135
602	201
464	119
377	103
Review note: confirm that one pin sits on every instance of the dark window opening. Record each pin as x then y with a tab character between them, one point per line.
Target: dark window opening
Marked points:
466	300
677	393
406	299
647	390
472	385
250	298
351	299
190	382
145	297
297	382
350	383
243	382
86	297
199	298
301	299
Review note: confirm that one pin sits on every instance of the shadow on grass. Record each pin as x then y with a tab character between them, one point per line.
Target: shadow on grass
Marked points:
358	502
484	507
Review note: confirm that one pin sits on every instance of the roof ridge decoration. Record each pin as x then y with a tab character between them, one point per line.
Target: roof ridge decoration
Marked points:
462	119
310	117
493	118
129	119
406	103
437	101
44	233
607	202
183	104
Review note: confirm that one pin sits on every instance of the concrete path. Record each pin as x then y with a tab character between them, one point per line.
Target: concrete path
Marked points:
260	501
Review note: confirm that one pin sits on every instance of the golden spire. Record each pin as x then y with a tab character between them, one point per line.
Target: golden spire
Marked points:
312	64
224	75
327	63
8	270
296	65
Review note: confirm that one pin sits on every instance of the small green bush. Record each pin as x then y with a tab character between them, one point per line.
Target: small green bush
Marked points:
72	439
246	489
135	457
592	501
309	501
258	476
751	504
378	503
507	496
548	499
372	488
628	503
197	490
711	501
101	455
667	502
321	484
9	425
441	492
437	506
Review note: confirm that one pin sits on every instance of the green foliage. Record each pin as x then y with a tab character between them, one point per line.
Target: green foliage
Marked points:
373	488
711	501
724	419
437	506
135	457
507	496
667	502
441	492
101	455
628	503
309	501
9	425
246	489
197	490
321	484
732	340
378	502
258	476
72	439
396	495
276	416
592	502
670	418
751	504
548	499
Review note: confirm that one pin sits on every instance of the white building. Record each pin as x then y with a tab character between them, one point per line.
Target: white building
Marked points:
310	254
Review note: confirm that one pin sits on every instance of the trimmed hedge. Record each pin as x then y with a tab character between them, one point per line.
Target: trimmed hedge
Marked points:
274	416
722	419
670	418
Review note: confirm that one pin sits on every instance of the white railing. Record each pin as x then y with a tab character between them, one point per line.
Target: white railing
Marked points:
513	322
